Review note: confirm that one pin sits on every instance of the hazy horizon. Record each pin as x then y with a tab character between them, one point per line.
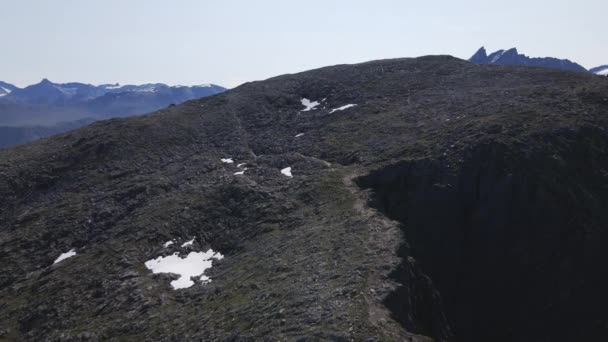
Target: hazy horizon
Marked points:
189	42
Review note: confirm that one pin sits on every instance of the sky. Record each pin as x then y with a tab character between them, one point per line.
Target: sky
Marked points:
230	42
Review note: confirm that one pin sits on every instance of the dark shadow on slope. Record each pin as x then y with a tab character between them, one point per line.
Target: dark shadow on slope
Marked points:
514	240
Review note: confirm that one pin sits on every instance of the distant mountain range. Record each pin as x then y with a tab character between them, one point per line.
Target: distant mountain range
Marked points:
513	57
48	108
92	98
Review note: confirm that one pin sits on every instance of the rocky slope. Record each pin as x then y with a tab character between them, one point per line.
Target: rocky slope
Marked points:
427	199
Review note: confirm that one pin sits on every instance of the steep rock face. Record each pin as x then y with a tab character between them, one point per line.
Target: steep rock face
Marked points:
452	154
512	240
480	57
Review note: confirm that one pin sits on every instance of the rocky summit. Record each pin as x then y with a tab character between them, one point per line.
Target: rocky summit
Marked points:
396	200
513	57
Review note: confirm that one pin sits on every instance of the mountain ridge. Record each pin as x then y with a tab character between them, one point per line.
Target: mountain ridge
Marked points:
48	108
513	57
49	93
445	201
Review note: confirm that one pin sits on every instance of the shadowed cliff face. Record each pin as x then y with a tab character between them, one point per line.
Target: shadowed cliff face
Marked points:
513	242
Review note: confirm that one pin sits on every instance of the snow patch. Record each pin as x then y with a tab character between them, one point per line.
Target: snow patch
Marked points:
308	104
299	135
66	255
602	72
188	243
242	172
287	172
168	243
227	160
67	91
342	108
498	55
150	89
193	265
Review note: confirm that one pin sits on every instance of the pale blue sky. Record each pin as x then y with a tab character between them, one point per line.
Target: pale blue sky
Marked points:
228	42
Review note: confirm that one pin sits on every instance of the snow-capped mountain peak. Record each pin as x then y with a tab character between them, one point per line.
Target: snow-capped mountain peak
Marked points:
49	93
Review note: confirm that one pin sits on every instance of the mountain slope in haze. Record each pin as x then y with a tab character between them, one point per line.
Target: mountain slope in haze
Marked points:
10	135
513	57
79	94
46	108
409	199
146	99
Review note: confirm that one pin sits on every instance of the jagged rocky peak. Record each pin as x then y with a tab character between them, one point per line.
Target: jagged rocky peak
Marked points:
481	56
513	57
511	53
